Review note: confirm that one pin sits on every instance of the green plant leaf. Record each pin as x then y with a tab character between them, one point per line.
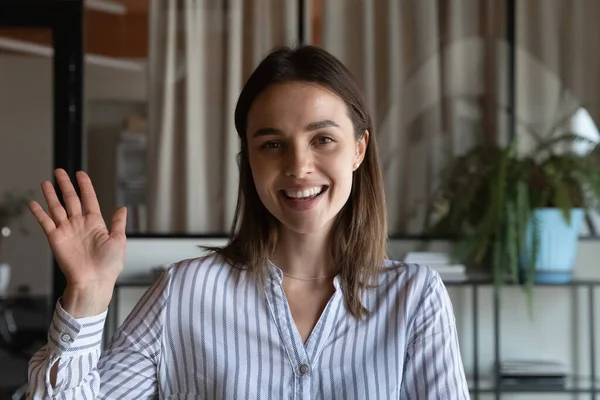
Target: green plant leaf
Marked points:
497	264
533	260
512	240
562	199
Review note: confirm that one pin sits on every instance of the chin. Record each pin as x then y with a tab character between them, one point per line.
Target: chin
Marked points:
305	227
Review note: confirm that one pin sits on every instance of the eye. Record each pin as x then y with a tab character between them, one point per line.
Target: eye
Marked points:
324	140
271	145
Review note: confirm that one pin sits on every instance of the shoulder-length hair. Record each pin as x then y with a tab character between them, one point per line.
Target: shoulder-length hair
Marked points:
359	240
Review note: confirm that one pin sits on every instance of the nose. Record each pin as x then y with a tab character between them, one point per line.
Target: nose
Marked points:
298	163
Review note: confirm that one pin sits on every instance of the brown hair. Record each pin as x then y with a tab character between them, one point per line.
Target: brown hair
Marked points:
360	230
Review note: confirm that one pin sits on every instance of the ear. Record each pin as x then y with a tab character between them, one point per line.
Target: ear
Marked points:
361	150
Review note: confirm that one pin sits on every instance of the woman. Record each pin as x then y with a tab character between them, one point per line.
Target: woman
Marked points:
301	304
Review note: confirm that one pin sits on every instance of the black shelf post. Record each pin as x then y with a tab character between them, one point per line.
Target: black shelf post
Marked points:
67	37
511	34
496	368
475	299
592	331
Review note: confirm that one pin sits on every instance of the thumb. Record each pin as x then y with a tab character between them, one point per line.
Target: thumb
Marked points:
118	222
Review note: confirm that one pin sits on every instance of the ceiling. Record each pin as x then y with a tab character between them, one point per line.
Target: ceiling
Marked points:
105	34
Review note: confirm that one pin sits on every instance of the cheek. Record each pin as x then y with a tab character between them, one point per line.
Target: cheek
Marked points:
262	174
256	165
342	174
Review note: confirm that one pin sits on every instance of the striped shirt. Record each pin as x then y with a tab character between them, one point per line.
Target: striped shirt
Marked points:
206	330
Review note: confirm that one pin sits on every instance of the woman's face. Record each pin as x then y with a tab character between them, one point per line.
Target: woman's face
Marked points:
303	153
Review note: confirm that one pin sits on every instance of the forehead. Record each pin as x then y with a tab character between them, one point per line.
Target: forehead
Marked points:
297	103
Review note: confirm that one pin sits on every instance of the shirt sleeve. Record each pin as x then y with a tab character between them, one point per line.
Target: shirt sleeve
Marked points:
127	368
433	367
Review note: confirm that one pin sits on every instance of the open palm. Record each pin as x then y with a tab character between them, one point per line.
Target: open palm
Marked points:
86	251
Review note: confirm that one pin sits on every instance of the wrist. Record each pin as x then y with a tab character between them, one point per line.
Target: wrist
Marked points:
86	301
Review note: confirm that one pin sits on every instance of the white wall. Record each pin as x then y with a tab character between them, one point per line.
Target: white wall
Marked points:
26	147
26	159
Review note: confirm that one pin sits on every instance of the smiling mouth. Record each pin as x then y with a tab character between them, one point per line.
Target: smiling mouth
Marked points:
306	194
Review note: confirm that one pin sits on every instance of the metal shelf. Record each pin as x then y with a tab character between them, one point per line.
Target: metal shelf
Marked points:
474	280
479	385
573	386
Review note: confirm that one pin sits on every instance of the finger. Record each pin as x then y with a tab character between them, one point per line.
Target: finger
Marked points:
56	209
119	222
88	194
69	194
42	218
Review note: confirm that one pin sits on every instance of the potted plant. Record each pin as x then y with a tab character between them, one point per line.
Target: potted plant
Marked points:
506	209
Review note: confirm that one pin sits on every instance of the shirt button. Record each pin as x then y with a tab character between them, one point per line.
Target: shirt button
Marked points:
304	369
65	337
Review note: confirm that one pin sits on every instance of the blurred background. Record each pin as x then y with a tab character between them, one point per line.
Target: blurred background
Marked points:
159	80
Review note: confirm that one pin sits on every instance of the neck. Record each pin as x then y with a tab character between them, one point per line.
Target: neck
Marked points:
304	255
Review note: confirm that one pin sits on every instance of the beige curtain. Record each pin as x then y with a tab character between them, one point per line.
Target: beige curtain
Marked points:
433	72
200	54
558	64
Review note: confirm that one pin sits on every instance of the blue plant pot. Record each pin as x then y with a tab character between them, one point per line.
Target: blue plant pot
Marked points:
557	247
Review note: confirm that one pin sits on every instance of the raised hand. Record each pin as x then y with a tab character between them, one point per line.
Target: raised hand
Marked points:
87	252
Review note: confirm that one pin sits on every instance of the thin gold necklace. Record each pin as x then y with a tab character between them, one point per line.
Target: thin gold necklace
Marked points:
299	278
307	279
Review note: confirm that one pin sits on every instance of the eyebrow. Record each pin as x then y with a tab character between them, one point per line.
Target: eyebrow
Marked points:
313	126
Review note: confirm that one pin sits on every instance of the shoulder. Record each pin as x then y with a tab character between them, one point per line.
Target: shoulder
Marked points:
416	277
412	285
193	280
200	267
193	271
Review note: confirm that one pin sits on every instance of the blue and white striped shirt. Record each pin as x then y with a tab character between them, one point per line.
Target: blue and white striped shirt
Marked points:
206	330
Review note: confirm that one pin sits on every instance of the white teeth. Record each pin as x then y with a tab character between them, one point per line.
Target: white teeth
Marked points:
300	194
